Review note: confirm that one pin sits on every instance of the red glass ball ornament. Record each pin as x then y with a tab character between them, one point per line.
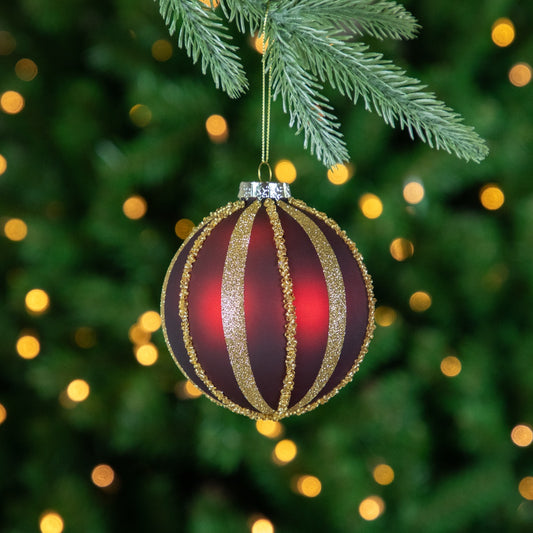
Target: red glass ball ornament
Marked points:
267	306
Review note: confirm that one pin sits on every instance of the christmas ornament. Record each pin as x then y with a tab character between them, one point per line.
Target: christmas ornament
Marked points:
267	306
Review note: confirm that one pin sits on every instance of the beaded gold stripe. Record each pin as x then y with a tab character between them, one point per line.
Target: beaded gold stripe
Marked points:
337	303
232	304
371	303
288	306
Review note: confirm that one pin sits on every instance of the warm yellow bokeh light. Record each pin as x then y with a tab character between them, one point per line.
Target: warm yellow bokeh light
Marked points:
526	488
451	366
262	525
85	337
491	197
3	414
15	229
383	474
12	102
191	390
420	301
3	164
135	207
285	451
210	3
217	128
258	43
162	50
503	32
141	115
413	192
371	206
520	74
28	346
51	522
102	476
269	428
26	69
146	354
285	171
401	249
138	335
150	321
309	486
78	390
385	316
340	174
183	228
371	508
37	301
7	43
522	435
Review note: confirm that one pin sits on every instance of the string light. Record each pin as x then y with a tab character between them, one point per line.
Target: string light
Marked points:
340	174
28	346
26	69
385	316
269	428
217	128
520	74
15	229
162	50
451	366
7	43
3	414
37	301
3	164
183	228
413	192
285	171
135	207
503	32
284	452
383	474
309	486
371	508
491	197
525	488
102	476
78	390
522	435
150	321
51	522
12	102
401	249
371	206
85	337
141	115
420	301
146	354
262	525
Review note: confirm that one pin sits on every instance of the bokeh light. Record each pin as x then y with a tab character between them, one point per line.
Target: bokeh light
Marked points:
85	337
78	390
51	522
15	229
371	508
102	476
340	174
383	474
258	43
146	354
413	192
309	486
503	32
135	207
138	335
187	390
183	228
269	428
385	316
284	452
217	128
262	525
401	249
3	414
3	164
285	171
37	301
210	3
371	206
522	435
12	102
525	488
162	50
150	321
520	74
26	69
451	366
420	301
28	346
141	115
491	197
7	43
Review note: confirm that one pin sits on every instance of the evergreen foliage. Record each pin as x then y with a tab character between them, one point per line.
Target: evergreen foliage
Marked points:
311	42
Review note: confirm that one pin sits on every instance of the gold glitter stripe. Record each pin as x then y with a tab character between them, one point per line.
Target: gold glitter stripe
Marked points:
232	302
337	302
288	305
371	303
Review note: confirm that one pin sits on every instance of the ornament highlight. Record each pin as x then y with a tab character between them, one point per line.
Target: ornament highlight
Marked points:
267	306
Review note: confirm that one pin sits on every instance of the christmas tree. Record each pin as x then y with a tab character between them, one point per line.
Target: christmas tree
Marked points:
113	145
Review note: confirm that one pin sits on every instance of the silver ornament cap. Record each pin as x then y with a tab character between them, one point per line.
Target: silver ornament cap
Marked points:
261	190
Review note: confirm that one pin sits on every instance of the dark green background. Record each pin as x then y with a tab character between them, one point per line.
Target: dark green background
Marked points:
74	156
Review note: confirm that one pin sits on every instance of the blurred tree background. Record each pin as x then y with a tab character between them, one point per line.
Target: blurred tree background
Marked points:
104	149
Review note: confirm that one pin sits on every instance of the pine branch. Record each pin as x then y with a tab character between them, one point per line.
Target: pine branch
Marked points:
204	36
248	14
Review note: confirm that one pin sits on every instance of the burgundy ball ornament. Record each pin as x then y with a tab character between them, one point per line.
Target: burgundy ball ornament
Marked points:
267	306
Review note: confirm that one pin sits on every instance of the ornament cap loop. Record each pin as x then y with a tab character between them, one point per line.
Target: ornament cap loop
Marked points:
263	190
